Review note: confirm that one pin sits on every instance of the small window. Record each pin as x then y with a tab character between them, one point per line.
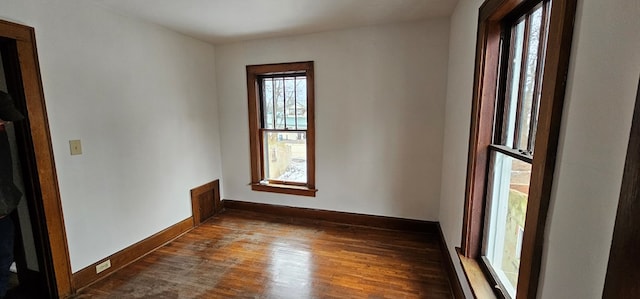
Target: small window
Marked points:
281	124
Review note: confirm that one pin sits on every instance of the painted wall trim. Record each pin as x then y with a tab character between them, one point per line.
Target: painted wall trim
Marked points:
124	257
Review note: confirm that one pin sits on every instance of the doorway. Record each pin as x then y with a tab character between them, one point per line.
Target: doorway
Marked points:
623	270
28	273
41	254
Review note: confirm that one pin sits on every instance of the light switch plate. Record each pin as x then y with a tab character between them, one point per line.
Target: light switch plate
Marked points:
75	147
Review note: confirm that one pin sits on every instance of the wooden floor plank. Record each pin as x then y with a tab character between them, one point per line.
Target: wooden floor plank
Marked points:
241	254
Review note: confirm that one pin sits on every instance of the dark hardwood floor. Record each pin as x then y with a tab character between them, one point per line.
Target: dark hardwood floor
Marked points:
240	254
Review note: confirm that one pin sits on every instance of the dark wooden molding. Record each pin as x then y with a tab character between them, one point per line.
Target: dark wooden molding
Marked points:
623	272
124	257
254	124
205	201
44	172
278	68
454	282
333	216
485	80
285	189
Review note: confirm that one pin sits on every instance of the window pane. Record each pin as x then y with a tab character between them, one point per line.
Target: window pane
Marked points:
513	84
278	86
290	102
524	121
301	102
267	103
507	207
285	156
285	103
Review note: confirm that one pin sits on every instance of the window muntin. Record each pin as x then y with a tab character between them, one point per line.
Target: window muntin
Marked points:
511	152
281	126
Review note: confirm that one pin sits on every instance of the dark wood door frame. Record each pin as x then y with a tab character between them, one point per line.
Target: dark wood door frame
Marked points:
36	281
43	171
623	271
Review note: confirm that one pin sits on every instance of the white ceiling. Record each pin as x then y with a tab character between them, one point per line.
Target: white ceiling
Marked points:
225	21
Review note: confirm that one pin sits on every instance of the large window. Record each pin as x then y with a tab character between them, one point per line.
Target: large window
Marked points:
281	123
511	151
521	65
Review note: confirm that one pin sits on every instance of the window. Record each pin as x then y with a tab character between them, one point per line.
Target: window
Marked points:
281	124
511	151
521	64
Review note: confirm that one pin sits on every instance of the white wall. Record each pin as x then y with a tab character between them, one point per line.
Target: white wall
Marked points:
143	101
602	81
462	45
601	92
380	95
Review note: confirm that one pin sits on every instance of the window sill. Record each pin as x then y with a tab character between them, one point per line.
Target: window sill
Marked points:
285	189
480	286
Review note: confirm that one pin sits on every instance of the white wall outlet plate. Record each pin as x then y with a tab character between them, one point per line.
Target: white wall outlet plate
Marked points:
103	266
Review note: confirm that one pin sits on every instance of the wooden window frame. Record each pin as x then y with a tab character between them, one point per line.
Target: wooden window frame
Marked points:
492	16
254	73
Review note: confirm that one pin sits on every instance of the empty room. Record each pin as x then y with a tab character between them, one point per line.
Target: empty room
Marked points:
319	149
